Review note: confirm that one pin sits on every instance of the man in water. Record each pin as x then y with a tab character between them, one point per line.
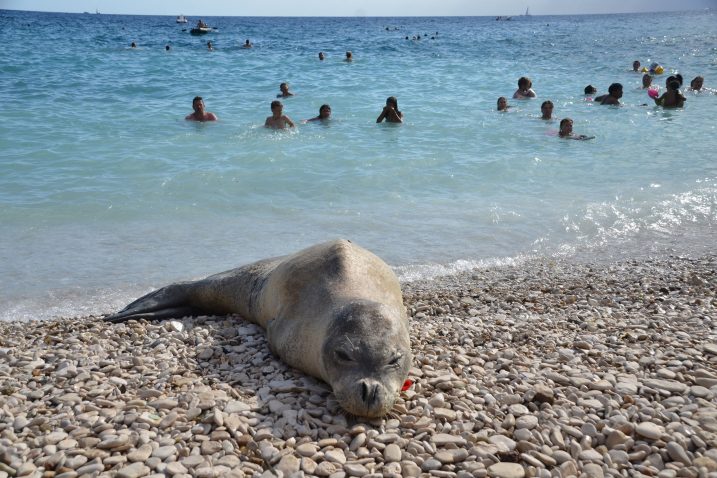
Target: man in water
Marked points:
636	65
349	56
614	93
285	93
199	113
247	44
278	120
324	114
321	55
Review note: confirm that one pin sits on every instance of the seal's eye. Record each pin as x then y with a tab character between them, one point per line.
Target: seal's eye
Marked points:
395	361
341	355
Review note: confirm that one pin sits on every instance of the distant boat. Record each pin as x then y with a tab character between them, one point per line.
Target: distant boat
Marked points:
503	19
527	11
97	12
182	19
201	30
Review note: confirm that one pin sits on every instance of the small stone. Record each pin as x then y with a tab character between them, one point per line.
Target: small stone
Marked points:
677	453
526	421
649	430
236	406
335	456
141	453
593	470
288	464
306	449
431	464
506	470
164	404
392	453
356	469
164	452
176	468
135	470
442	439
325	468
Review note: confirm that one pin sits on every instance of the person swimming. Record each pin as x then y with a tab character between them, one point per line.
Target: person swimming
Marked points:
672	98
566	130
199	112
285	93
614	93
390	112
547	110
503	104
525	89
324	114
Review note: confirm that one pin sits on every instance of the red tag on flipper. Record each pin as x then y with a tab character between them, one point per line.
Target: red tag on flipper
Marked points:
407	384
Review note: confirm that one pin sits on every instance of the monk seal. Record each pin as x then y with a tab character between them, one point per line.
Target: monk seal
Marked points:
333	310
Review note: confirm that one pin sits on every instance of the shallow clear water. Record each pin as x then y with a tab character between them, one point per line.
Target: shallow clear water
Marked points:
106	192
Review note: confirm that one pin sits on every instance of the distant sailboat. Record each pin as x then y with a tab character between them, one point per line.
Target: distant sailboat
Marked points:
527	11
182	19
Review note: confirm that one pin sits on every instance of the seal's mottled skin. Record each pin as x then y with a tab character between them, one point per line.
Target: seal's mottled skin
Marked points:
333	310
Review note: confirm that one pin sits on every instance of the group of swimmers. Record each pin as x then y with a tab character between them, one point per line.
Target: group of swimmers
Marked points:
525	91
278	120
671	98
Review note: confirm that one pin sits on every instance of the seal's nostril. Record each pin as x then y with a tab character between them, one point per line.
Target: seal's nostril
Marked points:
369	392
364	392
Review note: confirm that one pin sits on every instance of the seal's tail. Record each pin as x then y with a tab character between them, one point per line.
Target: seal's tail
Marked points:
168	302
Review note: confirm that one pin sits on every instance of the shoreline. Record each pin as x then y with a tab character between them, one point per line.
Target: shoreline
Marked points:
543	369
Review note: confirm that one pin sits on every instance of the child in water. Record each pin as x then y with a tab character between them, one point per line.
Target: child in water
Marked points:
503	104
566	130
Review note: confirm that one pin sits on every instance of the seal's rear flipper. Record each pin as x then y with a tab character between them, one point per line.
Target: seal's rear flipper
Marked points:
165	303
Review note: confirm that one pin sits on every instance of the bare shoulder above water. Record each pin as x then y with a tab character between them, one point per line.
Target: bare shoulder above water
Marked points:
544	369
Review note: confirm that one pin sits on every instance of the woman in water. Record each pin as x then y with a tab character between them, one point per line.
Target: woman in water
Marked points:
390	112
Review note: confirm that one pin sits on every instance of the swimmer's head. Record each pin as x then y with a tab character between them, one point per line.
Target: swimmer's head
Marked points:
325	112
590	90
547	109
566	127
674	85
697	82
635	65
646	80
167	47
502	103
615	90
276	105
392	101
524	83
198	104
321	55
679	78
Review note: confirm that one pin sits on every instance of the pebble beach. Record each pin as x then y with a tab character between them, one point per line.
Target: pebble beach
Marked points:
546	369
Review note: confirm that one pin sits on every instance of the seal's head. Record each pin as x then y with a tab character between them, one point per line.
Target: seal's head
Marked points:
367	355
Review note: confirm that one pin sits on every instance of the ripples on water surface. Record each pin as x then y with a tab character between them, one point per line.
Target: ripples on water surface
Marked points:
105	191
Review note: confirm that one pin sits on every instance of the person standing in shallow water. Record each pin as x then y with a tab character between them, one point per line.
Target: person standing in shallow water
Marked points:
614	93
390	112
199	113
278	120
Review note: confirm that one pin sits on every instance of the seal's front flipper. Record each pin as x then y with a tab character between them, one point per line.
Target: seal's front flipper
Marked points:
168	302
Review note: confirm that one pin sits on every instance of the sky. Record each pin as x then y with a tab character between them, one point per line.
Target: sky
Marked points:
355	7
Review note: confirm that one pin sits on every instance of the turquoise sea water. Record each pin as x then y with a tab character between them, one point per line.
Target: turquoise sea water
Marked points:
106	192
